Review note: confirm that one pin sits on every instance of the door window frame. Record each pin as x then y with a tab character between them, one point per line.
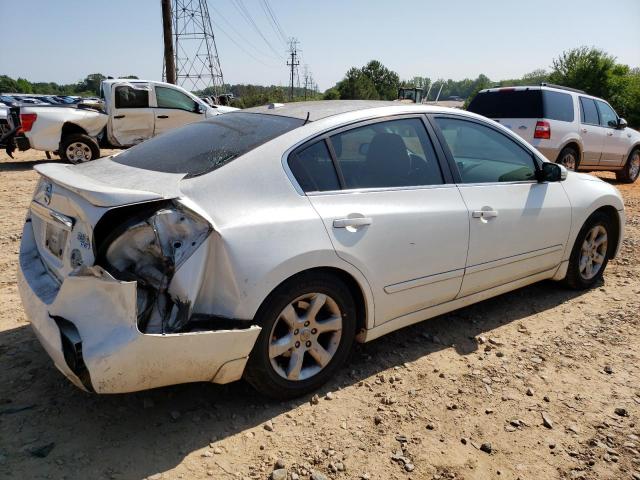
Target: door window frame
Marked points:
582	97
155	93
447	175
597	102
537	162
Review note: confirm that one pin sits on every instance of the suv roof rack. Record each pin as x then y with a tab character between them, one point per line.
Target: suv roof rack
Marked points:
560	87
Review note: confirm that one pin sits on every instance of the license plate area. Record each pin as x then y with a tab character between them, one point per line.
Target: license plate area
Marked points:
55	239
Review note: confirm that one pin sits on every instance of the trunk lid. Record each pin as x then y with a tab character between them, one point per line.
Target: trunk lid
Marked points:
70	200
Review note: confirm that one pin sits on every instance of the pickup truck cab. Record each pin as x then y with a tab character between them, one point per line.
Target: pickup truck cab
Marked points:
133	111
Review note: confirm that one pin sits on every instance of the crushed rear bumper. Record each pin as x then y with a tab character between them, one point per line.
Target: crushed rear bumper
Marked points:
88	326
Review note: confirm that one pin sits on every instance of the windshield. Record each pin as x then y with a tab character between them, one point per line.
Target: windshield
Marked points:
203	147
508	104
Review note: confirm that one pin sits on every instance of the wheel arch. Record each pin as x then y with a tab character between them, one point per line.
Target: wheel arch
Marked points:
630	151
576	145
70	128
364	310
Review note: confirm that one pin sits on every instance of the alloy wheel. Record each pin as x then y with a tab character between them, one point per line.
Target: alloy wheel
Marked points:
305	336
634	167
593	252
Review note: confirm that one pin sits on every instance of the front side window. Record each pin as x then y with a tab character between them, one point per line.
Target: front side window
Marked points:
588	111
395	153
313	168
170	98
130	97
608	117
483	154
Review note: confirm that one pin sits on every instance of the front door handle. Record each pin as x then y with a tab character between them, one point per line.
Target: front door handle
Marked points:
351	222
609	134
118	116
484	214
162	116
584	130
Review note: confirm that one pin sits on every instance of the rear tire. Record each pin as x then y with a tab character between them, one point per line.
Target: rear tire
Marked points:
79	148
590	254
286	361
568	158
631	170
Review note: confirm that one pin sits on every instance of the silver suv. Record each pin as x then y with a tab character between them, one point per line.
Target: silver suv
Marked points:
568	126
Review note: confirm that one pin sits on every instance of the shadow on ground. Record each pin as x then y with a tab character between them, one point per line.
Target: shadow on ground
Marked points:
21	165
41	413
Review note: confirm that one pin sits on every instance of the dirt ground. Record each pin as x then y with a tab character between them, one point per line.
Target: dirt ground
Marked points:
461	396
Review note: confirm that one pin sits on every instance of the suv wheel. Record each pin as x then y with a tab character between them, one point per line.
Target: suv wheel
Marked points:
308	327
631	170
568	158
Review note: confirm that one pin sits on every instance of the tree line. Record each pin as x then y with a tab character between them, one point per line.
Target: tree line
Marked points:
586	68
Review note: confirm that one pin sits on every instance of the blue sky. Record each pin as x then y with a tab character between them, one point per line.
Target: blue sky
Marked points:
64	40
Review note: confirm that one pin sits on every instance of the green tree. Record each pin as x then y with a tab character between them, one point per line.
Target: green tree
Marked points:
586	68
331	94
357	85
385	81
24	86
92	83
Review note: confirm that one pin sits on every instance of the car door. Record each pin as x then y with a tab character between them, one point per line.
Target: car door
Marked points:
616	141
174	109
518	227
131	118
390	211
591	132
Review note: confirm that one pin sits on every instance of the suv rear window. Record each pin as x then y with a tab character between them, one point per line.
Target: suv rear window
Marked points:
205	146
508	104
524	104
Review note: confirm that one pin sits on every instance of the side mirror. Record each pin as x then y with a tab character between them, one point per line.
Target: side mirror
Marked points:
622	123
198	108
551	172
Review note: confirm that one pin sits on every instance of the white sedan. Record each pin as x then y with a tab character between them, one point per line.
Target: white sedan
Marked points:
263	243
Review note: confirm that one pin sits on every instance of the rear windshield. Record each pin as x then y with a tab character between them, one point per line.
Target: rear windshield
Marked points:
205	146
524	104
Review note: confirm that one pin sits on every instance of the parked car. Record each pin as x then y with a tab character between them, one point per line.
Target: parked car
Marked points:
568	126
263	242
134	110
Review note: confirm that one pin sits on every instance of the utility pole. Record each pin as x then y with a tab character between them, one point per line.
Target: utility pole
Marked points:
306	80
293	53
169	55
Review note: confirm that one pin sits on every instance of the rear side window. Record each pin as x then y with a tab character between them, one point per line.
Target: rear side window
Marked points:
508	103
608	117
557	106
395	153
313	168
205	146
129	97
588	111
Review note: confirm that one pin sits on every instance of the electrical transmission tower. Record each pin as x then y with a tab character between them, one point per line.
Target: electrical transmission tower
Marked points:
197	65
293	63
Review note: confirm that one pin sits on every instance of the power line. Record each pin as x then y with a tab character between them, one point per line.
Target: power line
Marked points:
241	47
274	21
247	16
241	36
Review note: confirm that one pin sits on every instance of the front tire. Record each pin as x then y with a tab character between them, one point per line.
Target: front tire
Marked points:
308	327
631	170
590	254
568	158
79	148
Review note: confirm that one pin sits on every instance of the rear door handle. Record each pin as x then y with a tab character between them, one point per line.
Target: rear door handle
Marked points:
162	116
484	214
351	222
118	116
584	130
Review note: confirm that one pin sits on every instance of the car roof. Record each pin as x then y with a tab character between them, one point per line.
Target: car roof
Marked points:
318	109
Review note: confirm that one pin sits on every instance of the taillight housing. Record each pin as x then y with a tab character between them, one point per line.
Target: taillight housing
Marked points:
27	120
543	130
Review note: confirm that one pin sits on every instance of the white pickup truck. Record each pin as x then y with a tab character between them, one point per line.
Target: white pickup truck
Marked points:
133	111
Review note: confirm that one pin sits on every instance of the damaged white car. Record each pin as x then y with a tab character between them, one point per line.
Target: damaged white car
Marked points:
262	243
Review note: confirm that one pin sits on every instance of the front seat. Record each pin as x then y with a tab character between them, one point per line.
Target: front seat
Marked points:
387	163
